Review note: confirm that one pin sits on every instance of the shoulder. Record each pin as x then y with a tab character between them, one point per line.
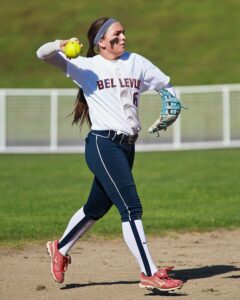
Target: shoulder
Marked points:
81	61
137	58
133	57
130	56
145	61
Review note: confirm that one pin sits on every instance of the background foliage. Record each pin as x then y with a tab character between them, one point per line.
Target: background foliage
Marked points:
195	42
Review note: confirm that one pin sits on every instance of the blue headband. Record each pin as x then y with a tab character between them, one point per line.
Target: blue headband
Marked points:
102	30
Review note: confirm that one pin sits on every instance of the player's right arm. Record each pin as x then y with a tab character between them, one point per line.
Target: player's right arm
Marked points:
51	53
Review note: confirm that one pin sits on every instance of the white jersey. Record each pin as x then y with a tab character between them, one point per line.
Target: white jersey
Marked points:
112	88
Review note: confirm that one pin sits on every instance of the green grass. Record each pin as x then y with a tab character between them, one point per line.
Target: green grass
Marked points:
180	191
196	42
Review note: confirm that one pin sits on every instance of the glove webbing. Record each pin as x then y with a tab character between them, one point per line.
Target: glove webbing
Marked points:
171	105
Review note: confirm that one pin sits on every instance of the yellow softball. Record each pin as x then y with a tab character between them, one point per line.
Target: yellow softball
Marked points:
72	49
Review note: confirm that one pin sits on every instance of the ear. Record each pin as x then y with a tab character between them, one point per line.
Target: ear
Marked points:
102	44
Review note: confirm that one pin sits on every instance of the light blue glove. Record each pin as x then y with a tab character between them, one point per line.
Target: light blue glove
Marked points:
171	109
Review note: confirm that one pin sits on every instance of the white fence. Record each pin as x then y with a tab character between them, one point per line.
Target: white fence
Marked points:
37	120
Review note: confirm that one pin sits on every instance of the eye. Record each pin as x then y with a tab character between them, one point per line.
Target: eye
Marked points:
119	32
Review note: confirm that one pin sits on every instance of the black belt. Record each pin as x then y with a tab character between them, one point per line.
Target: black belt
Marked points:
120	138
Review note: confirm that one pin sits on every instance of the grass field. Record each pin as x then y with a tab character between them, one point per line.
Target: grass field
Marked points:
195	42
180	191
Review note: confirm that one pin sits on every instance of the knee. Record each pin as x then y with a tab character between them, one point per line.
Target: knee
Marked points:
94	214
132	213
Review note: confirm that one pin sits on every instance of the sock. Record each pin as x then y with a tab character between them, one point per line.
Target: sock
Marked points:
77	227
136	241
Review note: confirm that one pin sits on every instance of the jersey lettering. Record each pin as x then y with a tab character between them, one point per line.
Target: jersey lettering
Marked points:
112	83
107	83
100	84
125	82
130	82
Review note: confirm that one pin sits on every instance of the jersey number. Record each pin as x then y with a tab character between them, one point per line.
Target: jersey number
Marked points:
135	99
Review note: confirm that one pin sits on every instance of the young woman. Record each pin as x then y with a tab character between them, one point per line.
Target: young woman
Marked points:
110	81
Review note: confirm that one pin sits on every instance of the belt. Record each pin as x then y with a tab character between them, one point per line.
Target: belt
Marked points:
120	138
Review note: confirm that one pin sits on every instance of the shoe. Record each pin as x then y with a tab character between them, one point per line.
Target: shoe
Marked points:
59	262
160	280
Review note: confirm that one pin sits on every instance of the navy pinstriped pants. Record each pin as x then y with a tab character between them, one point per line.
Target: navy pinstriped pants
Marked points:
111	162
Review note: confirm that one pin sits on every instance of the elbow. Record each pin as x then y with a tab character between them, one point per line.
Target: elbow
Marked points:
38	53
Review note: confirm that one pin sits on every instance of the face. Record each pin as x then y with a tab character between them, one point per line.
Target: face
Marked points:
113	42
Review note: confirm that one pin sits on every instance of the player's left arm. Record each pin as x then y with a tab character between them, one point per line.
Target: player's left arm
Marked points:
155	79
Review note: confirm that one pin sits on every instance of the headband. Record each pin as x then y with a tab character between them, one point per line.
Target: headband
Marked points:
102	30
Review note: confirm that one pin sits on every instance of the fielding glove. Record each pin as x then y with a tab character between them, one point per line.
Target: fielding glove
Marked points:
171	108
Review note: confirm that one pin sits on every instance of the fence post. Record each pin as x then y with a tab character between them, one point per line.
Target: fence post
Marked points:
226	116
54	121
177	128
2	121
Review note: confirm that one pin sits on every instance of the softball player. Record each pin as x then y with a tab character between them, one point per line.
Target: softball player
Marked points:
110	82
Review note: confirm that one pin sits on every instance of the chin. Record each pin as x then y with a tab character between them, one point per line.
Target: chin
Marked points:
121	52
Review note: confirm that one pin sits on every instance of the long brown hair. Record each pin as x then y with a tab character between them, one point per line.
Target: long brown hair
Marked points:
81	112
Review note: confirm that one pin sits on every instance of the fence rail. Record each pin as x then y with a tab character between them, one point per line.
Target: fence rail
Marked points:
37	120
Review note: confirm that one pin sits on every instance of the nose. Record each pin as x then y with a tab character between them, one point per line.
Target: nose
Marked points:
122	36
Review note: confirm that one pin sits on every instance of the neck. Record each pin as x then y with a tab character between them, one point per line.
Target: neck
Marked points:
109	56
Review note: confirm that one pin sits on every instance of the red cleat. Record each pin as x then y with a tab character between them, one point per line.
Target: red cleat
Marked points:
161	281
59	263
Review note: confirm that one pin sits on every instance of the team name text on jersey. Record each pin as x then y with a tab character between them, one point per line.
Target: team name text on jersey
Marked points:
125	82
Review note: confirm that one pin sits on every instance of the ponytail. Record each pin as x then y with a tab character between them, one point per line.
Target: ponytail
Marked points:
81	111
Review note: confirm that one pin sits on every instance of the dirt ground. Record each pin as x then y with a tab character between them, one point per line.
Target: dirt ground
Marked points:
209	264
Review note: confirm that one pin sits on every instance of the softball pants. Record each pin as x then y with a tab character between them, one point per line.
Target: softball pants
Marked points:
111	163
110	157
